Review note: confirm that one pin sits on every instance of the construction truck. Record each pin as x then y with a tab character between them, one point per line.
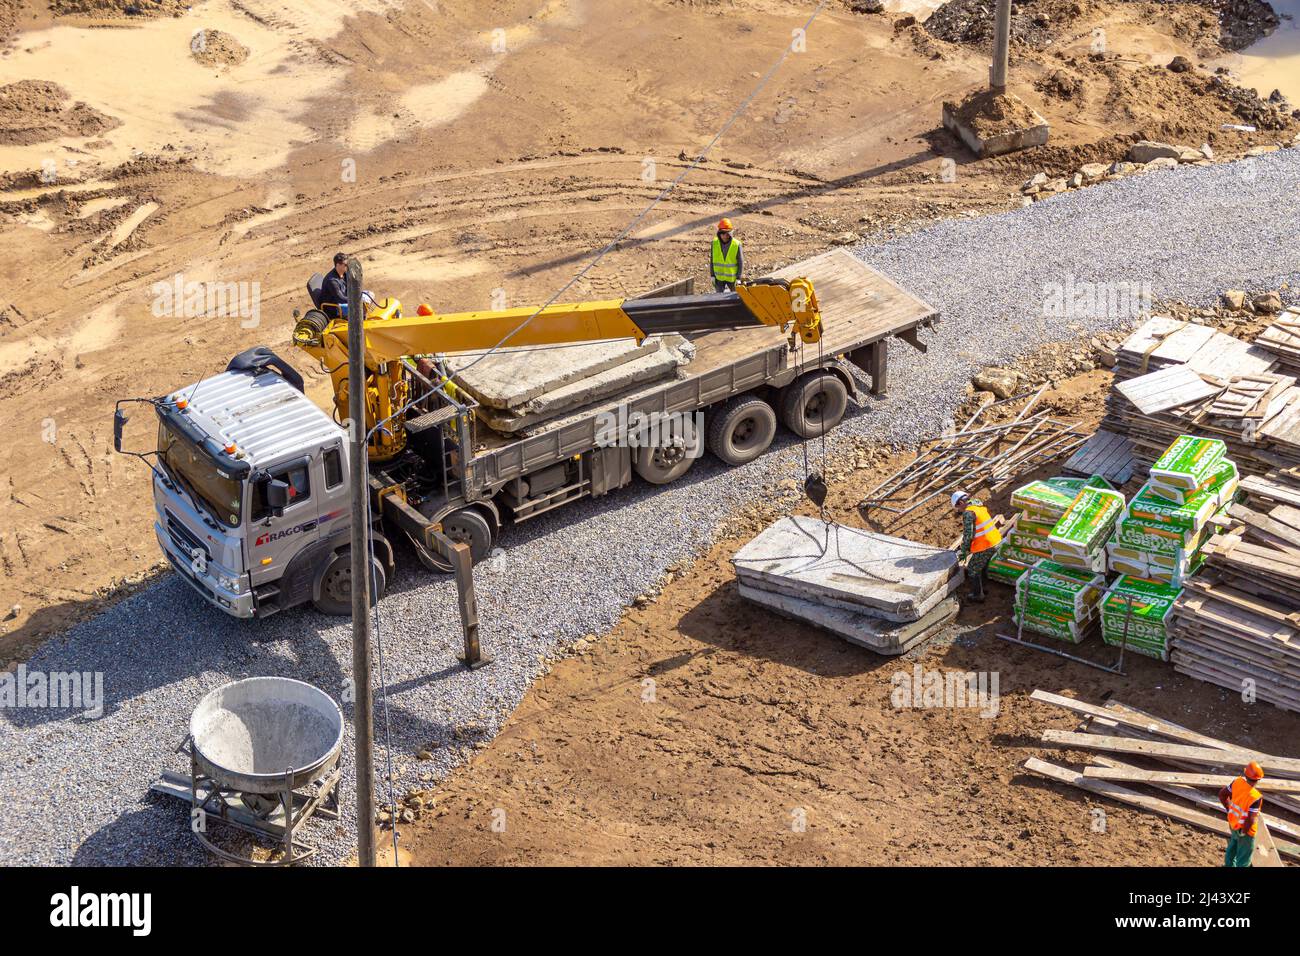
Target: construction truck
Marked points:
251	478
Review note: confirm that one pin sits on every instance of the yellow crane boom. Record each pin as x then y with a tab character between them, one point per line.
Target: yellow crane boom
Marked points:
390	336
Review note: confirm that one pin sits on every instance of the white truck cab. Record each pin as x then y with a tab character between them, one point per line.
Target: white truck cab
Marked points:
251	496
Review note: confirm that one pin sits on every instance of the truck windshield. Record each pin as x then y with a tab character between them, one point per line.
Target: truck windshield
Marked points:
221	497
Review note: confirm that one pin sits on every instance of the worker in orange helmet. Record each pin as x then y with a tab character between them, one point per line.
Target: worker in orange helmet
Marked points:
979	539
728	261
1243	803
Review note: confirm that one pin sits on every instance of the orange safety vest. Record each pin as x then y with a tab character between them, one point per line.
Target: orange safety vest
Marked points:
1244	796
986	535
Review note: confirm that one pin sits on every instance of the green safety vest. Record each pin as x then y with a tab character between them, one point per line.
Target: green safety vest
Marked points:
725	265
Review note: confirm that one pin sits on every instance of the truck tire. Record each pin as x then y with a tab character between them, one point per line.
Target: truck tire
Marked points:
741	429
334	590
664	464
814	404
467	525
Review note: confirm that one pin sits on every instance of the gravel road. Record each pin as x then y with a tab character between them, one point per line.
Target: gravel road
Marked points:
75	788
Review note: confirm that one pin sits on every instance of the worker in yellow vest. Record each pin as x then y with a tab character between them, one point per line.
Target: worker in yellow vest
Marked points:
1243	802
728	260
979	539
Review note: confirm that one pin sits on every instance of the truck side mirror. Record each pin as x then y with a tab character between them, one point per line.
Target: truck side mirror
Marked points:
119	424
277	496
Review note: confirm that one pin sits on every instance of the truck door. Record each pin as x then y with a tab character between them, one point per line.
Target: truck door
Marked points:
279	538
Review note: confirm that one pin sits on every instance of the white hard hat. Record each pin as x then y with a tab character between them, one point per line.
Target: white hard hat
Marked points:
958	497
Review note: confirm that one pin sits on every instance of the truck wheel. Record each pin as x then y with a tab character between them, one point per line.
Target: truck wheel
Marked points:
668	463
741	430
814	404
466	525
336	585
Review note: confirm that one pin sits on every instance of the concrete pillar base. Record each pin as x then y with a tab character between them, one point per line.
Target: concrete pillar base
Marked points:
991	123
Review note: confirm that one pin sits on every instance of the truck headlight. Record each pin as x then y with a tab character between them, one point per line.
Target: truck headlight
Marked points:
235	584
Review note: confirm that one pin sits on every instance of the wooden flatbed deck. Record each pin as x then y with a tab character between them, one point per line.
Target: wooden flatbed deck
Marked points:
860	308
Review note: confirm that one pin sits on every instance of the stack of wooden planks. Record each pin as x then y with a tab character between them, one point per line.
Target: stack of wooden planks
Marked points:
1174	379
1163	342
1237	624
1282	339
1142	760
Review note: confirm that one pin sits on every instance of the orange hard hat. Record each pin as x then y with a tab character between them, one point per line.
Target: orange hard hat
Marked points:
724	225
1254	771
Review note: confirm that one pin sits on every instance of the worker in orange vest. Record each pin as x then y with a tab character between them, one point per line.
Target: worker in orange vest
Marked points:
979	539
1243	803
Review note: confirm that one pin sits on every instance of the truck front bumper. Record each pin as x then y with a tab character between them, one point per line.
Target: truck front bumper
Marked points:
236	605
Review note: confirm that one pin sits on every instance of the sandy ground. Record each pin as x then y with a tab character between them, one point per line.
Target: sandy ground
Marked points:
702	730
489	170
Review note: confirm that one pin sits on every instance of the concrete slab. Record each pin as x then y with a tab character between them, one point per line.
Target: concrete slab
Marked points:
848	568
994	123
510	377
882	637
663	363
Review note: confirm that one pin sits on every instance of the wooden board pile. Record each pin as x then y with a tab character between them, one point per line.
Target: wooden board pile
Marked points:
1163	342
1175	378
988	456
1141	760
1282	339
883	593
1239	620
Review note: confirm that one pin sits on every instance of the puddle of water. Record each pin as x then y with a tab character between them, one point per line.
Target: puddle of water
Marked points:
1274	62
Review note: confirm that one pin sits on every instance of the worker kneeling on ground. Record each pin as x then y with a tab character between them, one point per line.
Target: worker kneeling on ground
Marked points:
728	260
1243	803
979	540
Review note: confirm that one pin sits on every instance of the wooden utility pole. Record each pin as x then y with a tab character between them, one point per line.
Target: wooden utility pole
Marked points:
1001	46
363	713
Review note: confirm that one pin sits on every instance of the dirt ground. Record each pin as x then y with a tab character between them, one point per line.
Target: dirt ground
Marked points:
703	730
487	171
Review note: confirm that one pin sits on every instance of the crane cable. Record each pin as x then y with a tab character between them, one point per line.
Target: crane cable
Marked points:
383	683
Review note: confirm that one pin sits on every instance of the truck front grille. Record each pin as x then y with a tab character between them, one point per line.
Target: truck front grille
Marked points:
185	539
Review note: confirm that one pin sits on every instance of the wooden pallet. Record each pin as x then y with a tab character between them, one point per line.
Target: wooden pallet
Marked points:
1107	454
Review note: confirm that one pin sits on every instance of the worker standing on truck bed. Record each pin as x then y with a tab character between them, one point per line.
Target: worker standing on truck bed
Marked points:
728	261
979	539
1243	803
334	288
